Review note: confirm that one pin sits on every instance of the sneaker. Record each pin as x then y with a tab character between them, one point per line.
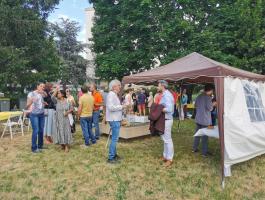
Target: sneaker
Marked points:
84	146
207	154
36	151
117	157
112	161
195	151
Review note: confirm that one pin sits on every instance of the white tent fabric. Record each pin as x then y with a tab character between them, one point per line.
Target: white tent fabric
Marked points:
244	120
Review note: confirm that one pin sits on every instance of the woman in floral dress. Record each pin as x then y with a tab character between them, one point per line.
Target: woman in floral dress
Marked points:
63	135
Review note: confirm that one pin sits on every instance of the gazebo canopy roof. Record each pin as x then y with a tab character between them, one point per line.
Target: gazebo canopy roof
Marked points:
191	68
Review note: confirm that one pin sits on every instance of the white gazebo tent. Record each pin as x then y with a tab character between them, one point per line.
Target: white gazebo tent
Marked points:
240	97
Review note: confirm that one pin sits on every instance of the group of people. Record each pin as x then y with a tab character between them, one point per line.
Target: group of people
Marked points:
204	106
52	110
57	126
138	101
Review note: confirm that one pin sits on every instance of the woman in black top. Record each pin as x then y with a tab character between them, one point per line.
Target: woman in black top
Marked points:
135	104
49	126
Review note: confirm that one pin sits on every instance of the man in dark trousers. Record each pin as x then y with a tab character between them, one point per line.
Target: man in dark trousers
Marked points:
204	106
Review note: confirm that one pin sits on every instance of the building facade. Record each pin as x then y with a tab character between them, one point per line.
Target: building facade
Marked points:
90	56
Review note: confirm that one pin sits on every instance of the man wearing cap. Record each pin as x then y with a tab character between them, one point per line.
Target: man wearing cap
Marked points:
167	101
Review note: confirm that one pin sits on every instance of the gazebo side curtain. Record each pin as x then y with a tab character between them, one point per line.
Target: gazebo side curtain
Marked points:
219	88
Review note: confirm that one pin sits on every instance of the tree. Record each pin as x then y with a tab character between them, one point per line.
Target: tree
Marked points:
27	53
73	65
130	36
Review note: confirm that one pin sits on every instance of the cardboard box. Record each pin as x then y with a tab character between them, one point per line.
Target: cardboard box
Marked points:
141	119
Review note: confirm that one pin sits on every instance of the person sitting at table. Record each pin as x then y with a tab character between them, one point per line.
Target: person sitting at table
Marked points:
204	106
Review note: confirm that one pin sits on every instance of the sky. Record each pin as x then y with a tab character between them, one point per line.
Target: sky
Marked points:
73	10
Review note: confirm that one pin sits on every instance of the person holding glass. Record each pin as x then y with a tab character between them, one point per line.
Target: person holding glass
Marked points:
63	135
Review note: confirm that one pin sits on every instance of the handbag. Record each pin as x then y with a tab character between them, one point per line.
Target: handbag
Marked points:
73	128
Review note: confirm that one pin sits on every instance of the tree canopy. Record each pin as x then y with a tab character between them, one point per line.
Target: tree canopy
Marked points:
73	65
27	52
132	36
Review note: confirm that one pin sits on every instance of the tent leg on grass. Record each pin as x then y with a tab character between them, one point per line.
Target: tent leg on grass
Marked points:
180	104
223	183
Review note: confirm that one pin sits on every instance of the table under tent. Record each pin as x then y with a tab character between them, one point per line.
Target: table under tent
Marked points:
240	101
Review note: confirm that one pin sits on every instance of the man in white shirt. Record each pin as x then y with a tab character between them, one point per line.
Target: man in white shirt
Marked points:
167	101
114	117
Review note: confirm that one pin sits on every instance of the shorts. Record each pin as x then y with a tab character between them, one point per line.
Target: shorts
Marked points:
141	106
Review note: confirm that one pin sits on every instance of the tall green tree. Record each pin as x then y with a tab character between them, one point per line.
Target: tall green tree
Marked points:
73	65
27	52
130	36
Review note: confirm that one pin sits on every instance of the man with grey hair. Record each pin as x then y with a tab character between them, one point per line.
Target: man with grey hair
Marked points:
167	101
114	117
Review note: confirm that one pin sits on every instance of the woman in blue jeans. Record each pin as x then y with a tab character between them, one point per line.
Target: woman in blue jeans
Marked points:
35	104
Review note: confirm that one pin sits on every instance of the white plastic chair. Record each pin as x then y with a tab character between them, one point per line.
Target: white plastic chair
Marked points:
13	124
26	120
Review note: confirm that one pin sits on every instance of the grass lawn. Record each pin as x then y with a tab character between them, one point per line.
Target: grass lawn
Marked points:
84	173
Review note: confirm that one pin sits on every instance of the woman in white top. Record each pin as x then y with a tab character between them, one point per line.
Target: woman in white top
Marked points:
128	101
150	100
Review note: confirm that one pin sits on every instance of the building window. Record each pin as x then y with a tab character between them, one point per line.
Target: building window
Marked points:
254	102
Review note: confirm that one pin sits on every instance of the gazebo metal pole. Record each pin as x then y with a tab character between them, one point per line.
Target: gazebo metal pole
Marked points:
219	84
180	110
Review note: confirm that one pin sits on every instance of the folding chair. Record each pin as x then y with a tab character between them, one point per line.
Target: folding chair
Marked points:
25	120
13	124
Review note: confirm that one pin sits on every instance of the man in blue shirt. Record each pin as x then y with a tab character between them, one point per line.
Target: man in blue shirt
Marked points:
141	102
167	101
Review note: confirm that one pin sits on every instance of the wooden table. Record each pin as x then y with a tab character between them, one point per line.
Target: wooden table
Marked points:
128	132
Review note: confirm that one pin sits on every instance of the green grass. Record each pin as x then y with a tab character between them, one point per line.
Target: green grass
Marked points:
84	173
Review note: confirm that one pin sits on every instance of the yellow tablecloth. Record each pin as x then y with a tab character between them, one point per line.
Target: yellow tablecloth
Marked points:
190	106
6	115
